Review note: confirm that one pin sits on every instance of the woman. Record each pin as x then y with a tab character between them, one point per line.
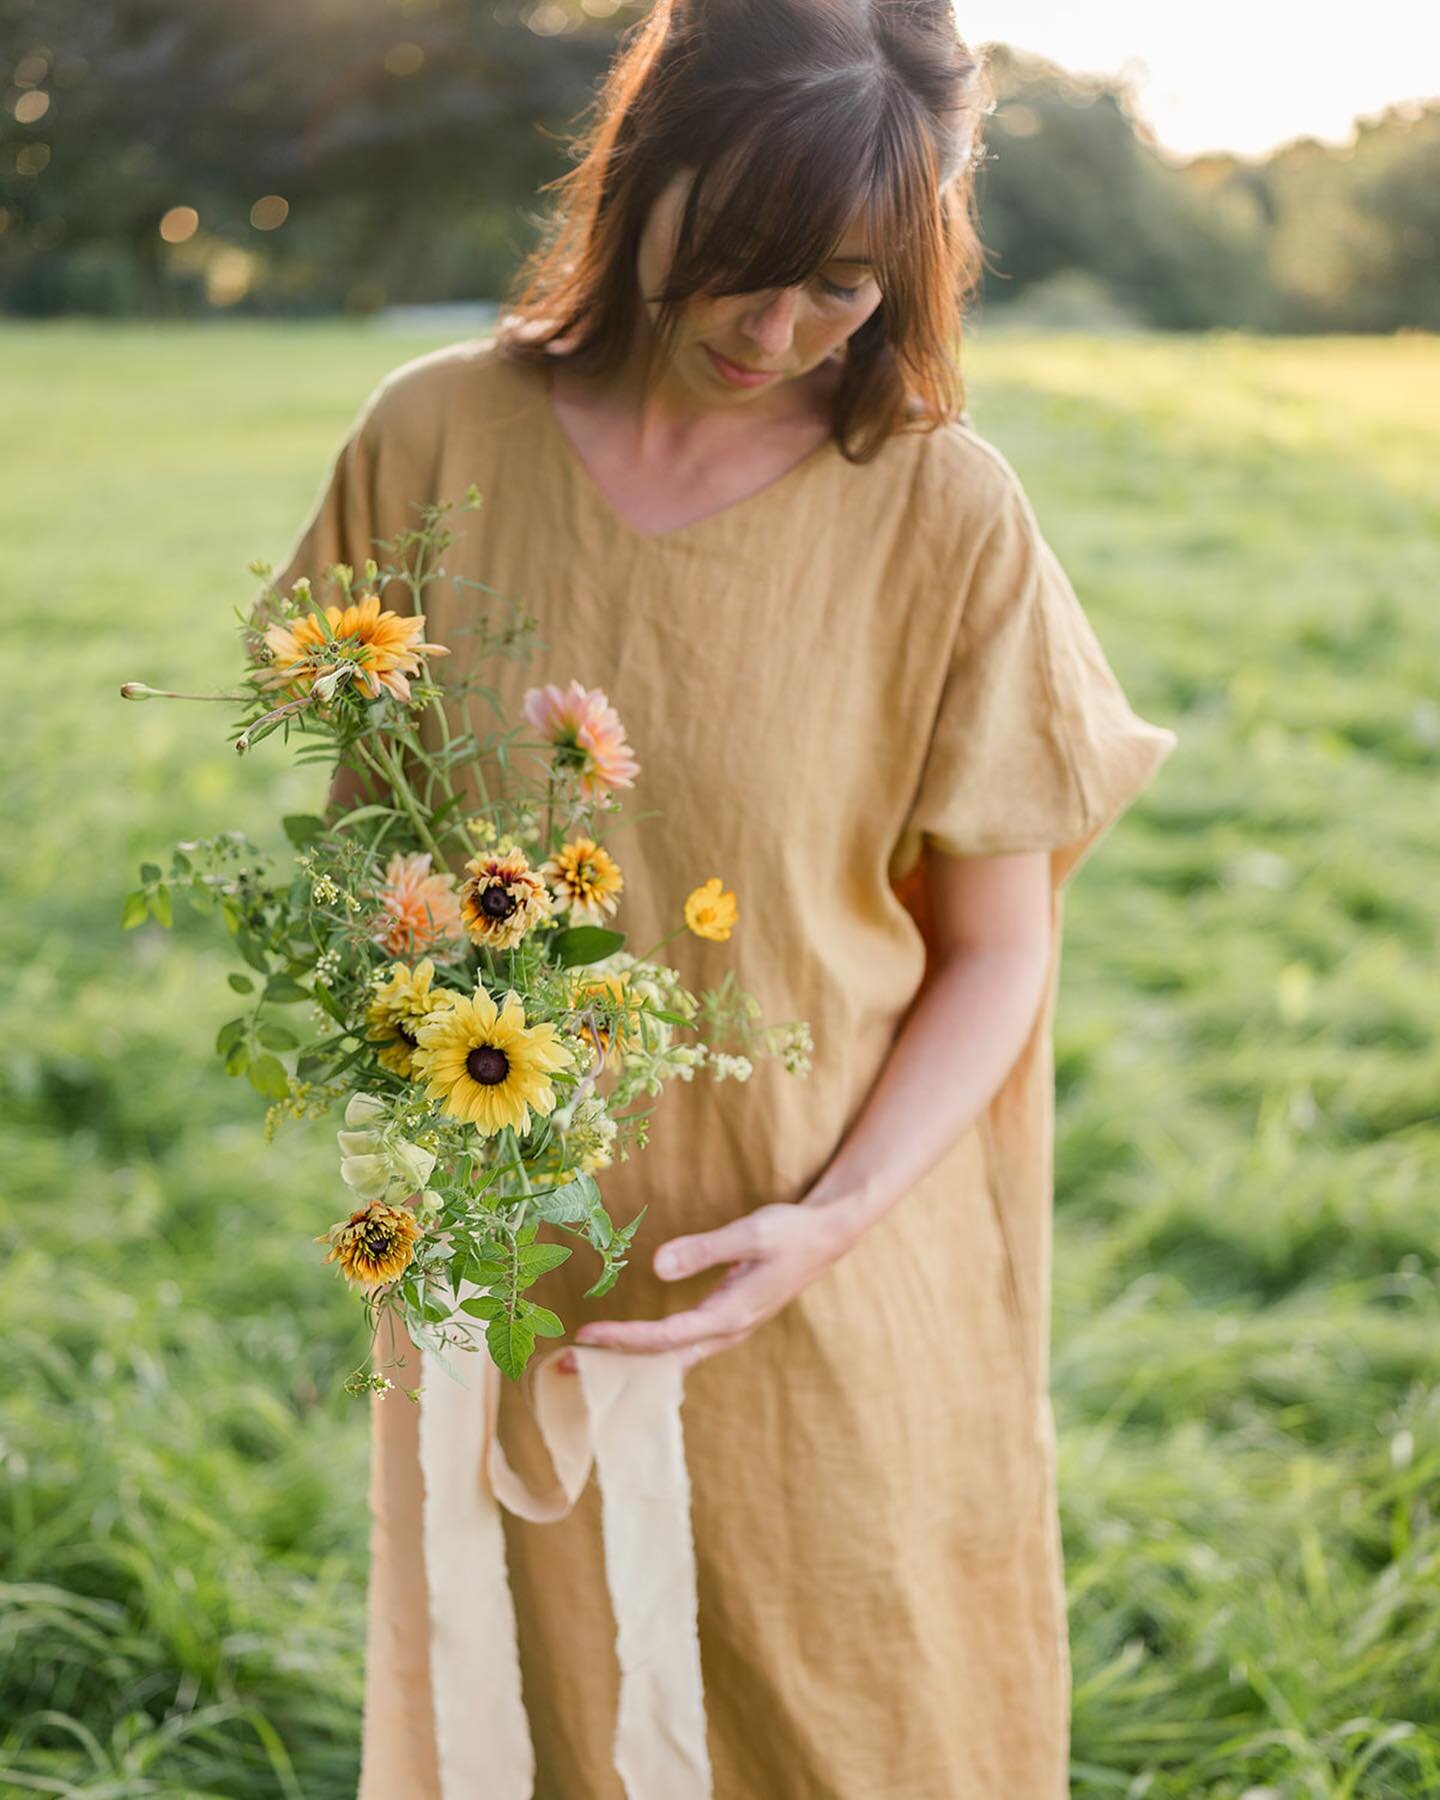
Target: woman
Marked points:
722	463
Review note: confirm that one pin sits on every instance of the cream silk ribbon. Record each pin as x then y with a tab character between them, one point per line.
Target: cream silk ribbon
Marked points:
621	1413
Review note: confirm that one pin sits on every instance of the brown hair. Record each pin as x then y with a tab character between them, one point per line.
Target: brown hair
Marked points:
796	116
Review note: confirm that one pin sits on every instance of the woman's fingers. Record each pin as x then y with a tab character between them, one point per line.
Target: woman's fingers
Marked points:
749	1236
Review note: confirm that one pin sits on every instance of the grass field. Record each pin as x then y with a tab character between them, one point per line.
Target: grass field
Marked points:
1247	1266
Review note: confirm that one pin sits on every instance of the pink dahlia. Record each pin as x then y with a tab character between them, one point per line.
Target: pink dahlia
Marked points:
417	908
586	732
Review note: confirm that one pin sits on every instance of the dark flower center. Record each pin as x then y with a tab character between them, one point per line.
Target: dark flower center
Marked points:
487	1064
497	902
406	1036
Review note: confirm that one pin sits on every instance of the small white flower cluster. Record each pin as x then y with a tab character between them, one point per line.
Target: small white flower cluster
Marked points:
327	966
591	1133
738	1068
794	1045
324	890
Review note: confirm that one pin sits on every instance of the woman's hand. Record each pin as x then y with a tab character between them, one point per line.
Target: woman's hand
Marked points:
773	1252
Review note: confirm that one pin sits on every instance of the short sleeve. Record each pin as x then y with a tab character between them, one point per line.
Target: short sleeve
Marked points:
1034	744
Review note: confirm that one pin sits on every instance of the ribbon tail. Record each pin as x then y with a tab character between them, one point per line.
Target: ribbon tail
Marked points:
482	1734
660	1746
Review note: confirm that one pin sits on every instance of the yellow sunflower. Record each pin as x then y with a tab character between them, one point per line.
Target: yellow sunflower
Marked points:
502	899
710	911
374	1245
397	1010
383	649
587	878
487	1065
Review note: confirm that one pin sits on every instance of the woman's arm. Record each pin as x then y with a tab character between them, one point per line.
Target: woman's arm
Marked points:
970	1020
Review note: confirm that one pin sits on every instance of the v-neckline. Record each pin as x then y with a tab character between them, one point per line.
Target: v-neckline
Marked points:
602	503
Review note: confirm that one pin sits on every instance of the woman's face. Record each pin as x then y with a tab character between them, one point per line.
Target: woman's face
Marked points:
769	337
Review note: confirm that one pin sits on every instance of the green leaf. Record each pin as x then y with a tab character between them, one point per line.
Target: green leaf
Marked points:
137	910
302	828
542	1321
149	872
180	863
285	992
624	1235
566	1205
242	984
605	1283
267	1076
229	1035
160	906
526	1233
484	1270
483	1306
236	1058
670	1018
511	1342
276	1037
331	1005
538	1259
251	951
361	814
584	944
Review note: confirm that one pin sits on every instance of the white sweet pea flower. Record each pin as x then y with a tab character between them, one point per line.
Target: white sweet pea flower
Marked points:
379	1165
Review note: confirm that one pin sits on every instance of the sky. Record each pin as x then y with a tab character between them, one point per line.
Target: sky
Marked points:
1239	75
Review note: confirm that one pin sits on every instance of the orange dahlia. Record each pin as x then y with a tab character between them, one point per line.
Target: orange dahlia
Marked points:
374	649
417	908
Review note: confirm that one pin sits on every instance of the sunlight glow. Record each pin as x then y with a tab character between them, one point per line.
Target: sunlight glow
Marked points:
1232	75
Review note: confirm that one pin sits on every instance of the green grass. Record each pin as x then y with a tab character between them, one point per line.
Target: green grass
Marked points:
1246	1357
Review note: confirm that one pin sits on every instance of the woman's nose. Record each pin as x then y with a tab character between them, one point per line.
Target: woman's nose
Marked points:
771	327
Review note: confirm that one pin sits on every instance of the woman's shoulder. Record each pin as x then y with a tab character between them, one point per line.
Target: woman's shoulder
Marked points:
473	381
952	482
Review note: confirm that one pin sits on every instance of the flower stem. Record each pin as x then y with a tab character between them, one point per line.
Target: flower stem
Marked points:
389	771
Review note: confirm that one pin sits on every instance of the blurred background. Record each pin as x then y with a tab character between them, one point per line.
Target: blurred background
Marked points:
188	159
1206	342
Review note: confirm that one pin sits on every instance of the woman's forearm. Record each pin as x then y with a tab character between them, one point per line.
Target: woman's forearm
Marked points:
956	1045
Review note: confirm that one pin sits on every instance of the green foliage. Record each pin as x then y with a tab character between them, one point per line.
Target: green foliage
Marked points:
1247	1298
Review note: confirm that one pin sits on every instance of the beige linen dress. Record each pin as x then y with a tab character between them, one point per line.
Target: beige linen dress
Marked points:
819	681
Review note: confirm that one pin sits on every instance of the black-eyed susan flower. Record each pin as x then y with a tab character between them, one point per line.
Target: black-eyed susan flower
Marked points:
710	911
397	1010
586	878
487	1064
374	1245
502	898
374	649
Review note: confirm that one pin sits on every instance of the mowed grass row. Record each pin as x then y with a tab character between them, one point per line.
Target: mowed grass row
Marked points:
1246	1361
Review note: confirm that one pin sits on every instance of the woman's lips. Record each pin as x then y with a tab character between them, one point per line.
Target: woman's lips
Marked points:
734	374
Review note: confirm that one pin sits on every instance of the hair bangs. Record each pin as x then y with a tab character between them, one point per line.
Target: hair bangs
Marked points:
754	220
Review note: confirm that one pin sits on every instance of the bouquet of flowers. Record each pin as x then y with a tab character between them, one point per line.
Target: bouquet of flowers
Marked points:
486	1029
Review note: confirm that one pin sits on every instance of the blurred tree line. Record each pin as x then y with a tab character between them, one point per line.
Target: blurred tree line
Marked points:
303	156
